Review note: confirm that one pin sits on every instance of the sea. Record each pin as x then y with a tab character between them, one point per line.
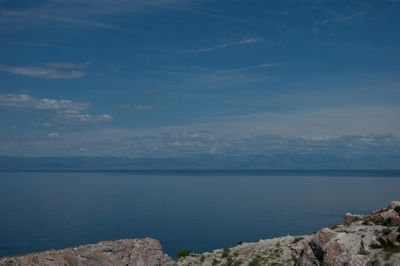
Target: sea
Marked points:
200	210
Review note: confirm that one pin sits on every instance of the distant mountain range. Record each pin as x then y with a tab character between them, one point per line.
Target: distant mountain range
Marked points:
276	161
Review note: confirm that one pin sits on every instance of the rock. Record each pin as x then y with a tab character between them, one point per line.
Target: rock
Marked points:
394	204
388	217
394	238
143	252
317	244
349	218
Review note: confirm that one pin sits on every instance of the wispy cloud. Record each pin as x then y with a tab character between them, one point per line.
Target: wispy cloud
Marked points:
86	23
27	102
66	111
259	66
339	17
246	41
136	107
77	117
53	135
48	71
83	13
32	44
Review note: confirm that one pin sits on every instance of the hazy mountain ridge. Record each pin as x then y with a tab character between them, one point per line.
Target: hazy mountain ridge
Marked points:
281	161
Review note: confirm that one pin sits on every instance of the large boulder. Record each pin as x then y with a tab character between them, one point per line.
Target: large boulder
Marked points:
140	252
386	217
349	218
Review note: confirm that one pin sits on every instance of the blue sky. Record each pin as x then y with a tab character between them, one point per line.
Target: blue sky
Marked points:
178	78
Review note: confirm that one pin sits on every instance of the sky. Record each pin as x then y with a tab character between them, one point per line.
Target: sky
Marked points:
165	78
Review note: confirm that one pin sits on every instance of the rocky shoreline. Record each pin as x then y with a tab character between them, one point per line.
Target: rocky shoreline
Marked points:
371	240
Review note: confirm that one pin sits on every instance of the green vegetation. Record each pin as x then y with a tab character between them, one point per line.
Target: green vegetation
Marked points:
334	226
256	261
215	262
386	222
237	263
184	252
225	252
297	239
375	246
202	258
363	252
365	222
229	261
386	231
390	250
397	208
374	262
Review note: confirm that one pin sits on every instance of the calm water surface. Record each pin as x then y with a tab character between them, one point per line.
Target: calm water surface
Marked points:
199	211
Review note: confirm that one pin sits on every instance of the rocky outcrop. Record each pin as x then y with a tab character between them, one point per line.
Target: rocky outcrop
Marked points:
141	252
368	240
362	240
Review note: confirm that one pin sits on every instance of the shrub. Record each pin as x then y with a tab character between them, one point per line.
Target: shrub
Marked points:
297	239
397	208
255	262
184	252
386	222
229	261
375	246
225	252
390	250
365	222
363	252
374	262
334	226
386	231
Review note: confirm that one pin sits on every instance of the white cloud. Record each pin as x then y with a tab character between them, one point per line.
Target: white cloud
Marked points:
143	108
68	65
26	102
314	122
77	117
139	107
104	118
339	17
265	65
81	13
66	111
245	41
53	135
46	124
73	116
48	71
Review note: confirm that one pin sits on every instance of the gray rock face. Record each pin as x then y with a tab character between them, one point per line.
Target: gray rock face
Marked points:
349	218
140	252
364	240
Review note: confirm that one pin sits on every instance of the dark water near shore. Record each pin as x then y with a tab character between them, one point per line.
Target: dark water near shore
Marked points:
183	209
